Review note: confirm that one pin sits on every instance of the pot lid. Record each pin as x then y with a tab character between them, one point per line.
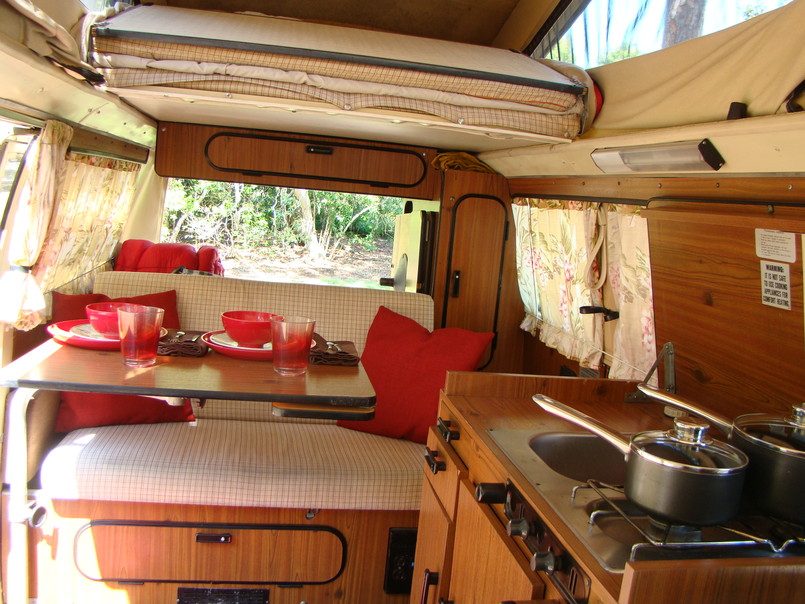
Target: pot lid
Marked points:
777	433
688	448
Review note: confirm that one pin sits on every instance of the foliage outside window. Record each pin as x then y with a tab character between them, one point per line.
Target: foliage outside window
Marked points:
224	214
596	32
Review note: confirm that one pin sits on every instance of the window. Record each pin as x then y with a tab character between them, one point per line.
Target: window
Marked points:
593	32
12	152
281	234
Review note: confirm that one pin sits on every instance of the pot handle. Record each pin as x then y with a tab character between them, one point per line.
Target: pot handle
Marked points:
675	400
583	420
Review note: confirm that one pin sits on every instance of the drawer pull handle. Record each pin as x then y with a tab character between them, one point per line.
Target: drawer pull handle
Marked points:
447	433
431	578
456	283
213	538
319	149
434	464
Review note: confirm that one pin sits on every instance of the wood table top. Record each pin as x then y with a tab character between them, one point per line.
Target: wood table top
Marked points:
53	366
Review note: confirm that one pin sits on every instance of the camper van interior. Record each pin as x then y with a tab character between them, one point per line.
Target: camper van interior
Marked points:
582	381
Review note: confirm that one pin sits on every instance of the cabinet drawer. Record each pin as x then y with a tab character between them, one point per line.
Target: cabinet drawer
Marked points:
443	469
135	551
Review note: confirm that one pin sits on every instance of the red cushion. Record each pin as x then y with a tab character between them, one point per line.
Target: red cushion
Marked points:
91	409
130	252
407	365
66	307
209	260
88	410
165	300
167	257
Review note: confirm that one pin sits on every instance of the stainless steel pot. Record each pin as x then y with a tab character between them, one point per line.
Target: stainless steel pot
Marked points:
680	477
776	450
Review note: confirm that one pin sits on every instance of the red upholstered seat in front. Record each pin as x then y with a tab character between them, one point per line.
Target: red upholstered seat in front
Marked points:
141	255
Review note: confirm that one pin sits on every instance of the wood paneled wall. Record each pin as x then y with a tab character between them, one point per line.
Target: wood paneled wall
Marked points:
734	354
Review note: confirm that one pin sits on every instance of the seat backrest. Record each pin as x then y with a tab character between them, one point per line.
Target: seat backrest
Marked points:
141	255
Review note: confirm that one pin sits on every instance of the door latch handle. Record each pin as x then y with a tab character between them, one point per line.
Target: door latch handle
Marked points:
456	283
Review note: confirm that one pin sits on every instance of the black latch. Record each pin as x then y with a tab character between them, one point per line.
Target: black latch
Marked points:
609	315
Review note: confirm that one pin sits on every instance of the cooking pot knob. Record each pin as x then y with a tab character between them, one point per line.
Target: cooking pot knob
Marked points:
691	430
798	415
490	492
546	562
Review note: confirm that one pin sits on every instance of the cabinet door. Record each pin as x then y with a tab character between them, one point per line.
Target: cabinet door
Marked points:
475	277
433	546
487	566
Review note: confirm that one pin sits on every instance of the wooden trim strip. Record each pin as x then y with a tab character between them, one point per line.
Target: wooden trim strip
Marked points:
780	189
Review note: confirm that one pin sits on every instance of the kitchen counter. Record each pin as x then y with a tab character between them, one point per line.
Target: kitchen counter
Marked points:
475	403
483	401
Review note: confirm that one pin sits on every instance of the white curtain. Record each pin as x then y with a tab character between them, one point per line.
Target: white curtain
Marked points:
22	303
633	349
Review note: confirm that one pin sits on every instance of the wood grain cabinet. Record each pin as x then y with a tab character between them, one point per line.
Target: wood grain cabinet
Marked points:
463	554
432	561
294	160
214	553
475	279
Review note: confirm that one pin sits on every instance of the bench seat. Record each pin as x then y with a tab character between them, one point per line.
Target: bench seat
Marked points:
237	463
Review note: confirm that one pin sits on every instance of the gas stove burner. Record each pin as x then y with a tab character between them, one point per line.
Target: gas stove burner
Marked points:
786	531
666	532
611	506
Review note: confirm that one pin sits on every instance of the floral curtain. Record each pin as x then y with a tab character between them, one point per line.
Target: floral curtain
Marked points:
94	203
556	266
633	349
22	300
568	252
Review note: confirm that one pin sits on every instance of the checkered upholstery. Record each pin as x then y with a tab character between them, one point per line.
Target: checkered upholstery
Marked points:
237	463
341	313
238	453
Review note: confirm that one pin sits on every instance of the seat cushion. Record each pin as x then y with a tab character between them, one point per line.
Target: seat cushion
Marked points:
407	365
237	463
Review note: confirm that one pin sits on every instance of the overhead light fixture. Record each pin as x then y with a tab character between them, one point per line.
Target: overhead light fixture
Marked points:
683	156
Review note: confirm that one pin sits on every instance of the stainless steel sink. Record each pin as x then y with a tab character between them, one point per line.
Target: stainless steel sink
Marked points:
559	459
580	456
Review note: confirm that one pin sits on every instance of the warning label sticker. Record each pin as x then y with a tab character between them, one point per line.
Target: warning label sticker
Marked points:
775	284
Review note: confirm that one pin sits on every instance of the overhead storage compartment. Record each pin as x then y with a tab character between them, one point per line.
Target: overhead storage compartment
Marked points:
310	162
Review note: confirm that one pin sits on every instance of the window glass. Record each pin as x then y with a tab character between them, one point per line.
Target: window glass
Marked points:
282	234
594	32
12	151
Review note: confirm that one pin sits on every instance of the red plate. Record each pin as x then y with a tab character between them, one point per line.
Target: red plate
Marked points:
79	333
216	341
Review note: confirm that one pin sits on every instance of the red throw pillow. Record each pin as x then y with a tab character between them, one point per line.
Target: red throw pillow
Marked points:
92	409
166	300
67	307
88	410
407	365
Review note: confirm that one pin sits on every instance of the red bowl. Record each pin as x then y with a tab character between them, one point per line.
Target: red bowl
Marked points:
249	328
103	317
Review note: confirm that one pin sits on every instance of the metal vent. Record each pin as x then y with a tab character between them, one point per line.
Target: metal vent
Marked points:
201	595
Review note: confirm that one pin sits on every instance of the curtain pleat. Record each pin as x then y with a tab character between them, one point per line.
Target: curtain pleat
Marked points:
22	301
